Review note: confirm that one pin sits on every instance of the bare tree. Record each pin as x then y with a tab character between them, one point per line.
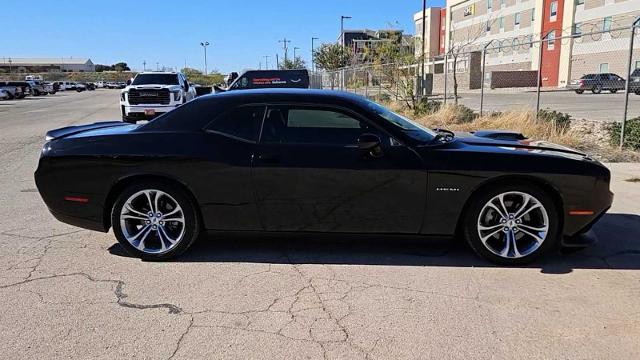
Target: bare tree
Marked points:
462	47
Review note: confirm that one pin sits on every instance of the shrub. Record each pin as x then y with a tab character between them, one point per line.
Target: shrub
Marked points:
561	120
464	114
631	133
426	107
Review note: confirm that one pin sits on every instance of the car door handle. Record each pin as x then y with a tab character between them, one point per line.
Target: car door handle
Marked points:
269	158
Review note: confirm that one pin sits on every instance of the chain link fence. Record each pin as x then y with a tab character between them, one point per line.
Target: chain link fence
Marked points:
590	71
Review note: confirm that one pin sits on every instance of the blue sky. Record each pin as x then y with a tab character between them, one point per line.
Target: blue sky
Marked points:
169	32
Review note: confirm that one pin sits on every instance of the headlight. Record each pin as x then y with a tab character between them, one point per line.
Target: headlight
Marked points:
177	96
122	95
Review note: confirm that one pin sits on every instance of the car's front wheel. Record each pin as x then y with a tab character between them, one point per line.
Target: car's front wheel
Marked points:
512	224
579	92
155	221
597	89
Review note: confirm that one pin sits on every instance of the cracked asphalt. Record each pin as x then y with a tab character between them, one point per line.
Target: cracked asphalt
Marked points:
70	293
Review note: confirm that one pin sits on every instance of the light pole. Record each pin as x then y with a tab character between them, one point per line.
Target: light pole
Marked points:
313	47
266	62
343	43
144	65
10	68
295	49
204	45
424	40
157	66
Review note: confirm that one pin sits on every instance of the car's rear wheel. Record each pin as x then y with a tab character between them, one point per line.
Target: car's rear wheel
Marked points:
512	224
579	91
597	89
613	91
155	221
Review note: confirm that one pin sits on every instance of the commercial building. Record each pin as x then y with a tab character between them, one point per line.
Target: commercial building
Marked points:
581	36
32	65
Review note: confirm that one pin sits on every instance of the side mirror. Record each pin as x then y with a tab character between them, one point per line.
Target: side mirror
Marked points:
128	82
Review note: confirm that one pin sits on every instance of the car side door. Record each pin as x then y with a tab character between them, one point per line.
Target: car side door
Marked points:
328	169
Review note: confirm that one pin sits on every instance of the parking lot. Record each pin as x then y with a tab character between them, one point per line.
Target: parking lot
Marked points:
71	293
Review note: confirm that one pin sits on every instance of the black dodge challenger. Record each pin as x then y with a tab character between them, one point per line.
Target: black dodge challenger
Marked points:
317	161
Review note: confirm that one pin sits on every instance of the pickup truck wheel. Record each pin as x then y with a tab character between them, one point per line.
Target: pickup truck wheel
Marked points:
512	224
579	92
155	221
597	89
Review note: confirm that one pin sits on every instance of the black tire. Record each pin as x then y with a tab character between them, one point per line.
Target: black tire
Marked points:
613	91
478	201
637	92
191	220
579	92
597	89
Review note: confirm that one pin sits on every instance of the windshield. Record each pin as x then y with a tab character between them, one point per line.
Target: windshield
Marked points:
160	79
408	126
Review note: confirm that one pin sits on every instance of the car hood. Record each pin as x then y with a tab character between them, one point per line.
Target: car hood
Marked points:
517	142
152	87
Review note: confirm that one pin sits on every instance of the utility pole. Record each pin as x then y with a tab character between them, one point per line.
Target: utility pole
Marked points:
266	62
277	62
204	45
424	40
295	49
157	66
144	65
285	46
10	67
313	47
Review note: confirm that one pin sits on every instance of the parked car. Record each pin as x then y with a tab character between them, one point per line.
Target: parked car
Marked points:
121	85
49	88
154	93
291	160
23	88
598	82
12	91
80	87
634	81
100	84
4	94
36	88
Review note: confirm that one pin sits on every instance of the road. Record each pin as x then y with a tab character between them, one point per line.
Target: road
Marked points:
71	293
601	107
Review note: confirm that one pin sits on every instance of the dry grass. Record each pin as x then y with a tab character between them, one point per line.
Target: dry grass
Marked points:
453	117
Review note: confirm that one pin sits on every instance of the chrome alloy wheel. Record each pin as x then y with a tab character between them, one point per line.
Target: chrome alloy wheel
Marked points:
513	225
152	221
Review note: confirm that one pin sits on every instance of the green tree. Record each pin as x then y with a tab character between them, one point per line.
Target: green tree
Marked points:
396	72
294	64
332	57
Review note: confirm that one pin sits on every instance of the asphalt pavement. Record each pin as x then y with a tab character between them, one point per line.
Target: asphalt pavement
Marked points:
71	293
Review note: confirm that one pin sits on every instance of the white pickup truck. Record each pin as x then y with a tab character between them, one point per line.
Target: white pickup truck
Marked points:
151	94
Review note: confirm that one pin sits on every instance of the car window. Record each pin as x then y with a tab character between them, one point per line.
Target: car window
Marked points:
311	125
242	122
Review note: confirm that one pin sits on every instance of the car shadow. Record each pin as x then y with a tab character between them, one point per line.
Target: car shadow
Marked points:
618	248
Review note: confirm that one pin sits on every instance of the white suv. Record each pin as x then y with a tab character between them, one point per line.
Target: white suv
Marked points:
151	94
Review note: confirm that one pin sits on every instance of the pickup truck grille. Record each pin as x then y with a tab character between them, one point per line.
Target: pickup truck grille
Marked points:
139	97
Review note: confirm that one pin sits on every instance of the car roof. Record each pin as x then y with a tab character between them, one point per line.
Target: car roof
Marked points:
283	93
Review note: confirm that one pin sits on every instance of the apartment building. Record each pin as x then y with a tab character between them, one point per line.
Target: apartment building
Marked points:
583	36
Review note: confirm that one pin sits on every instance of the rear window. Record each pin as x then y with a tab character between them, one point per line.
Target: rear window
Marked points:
161	79
242	122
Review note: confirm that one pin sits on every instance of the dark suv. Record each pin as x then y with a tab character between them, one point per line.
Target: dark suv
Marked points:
634	81
598	82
